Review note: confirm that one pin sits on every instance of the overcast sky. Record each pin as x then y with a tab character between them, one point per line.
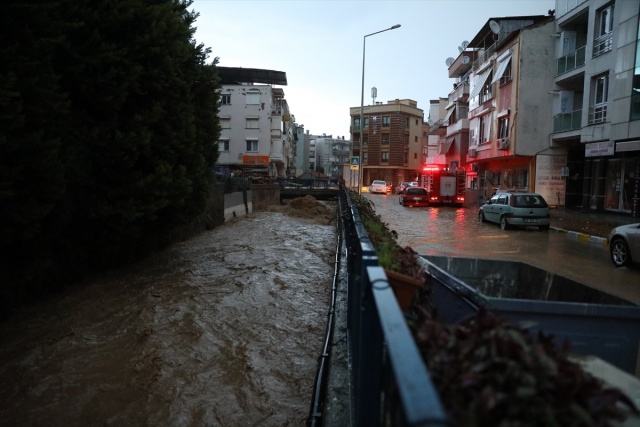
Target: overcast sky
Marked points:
318	44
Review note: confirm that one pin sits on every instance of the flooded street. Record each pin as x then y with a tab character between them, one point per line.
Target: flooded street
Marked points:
224	329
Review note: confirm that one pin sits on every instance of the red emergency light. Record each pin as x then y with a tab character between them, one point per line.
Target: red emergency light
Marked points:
431	168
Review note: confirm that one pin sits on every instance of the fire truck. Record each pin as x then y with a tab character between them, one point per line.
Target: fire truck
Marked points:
446	187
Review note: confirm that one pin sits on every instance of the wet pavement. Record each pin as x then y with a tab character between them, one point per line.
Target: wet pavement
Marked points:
224	329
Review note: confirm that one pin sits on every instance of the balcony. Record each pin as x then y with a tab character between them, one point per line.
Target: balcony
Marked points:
567	121
570	61
461	92
457	126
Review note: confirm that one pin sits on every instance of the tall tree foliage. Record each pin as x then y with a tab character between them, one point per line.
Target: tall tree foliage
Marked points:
108	123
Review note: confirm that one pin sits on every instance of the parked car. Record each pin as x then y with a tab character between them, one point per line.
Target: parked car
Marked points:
404	185
378	186
516	210
624	244
414	196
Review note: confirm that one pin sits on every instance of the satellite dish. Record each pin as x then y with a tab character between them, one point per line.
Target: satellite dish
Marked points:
465	60
460	49
464	44
449	61
495	27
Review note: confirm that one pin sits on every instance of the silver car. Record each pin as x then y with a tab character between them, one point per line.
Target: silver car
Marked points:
516	210
624	244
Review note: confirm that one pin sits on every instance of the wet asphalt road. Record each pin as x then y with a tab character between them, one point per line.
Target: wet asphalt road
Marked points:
450	231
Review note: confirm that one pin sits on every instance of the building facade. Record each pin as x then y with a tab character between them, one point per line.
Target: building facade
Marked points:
391	145
496	127
257	131
596	108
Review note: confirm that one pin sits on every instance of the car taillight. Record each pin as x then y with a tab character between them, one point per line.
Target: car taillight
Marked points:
461	199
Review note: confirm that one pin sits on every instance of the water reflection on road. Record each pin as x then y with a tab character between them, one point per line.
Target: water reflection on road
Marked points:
452	231
221	330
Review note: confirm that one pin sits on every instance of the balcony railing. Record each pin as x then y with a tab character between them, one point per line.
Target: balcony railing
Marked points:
567	121
570	61
598	114
602	44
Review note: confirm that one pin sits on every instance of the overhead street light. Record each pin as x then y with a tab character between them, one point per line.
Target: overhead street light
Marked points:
364	44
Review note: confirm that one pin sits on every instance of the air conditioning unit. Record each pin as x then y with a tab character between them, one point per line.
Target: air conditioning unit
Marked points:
503	144
472	152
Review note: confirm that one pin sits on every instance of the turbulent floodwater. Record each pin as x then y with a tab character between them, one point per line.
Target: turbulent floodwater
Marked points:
221	330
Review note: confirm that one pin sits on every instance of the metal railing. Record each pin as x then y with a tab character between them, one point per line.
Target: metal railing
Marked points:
390	383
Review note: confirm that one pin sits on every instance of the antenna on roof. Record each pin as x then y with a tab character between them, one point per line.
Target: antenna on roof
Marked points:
464	44
495	27
449	61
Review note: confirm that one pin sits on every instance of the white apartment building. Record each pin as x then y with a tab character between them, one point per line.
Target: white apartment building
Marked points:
257	130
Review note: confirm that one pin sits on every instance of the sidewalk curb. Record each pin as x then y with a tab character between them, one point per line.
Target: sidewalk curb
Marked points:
582	237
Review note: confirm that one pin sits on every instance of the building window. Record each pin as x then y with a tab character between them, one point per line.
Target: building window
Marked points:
366	121
385	157
603	31
506	76
252	98
252	123
252	145
223	145
365	157
386	121
503	128
486	93
225	99
599	94
415	139
365	140
356	123
225	123
485	129
385	140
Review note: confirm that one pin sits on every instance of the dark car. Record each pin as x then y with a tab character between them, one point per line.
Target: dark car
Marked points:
624	244
414	196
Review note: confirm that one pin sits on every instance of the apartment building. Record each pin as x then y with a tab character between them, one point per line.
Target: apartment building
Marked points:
496	126
596	108
257	128
391	145
332	154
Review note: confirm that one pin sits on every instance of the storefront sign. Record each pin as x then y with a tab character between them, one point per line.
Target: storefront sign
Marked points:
255	160
596	149
549	181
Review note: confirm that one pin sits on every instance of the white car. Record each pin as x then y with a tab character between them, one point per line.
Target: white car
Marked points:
378	186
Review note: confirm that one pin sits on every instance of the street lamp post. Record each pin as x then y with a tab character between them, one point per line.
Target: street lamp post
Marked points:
361	168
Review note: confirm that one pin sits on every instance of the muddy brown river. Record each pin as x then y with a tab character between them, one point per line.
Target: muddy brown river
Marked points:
224	329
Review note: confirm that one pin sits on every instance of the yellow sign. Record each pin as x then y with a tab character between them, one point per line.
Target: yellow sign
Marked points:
355	163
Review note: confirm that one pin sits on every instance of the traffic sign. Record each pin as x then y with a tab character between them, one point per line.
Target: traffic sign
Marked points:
355	163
